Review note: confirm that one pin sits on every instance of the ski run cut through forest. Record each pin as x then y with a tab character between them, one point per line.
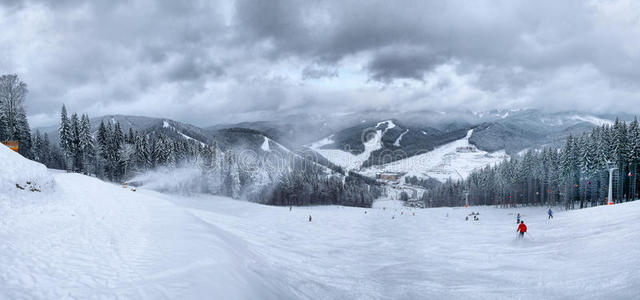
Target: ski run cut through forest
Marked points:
71	236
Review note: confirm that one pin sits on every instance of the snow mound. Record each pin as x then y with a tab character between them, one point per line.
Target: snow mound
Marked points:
18	174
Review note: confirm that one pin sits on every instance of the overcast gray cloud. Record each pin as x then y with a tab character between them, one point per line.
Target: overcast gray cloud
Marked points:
223	61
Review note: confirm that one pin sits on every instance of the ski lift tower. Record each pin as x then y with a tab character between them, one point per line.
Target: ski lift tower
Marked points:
466	198
612	167
466	191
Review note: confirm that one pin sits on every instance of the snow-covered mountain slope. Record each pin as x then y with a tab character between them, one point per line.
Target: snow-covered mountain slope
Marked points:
178	128
90	239
530	128
348	160
592	119
149	125
453	160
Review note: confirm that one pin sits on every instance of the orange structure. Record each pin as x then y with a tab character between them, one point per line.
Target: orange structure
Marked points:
13	145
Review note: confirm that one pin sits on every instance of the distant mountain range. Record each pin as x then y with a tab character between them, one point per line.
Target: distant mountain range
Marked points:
376	138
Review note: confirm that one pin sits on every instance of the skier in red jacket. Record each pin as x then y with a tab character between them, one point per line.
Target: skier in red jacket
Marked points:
522	229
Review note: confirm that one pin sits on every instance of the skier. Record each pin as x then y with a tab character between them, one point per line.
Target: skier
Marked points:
518	219
290	208
309	218
522	229
550	213
466	218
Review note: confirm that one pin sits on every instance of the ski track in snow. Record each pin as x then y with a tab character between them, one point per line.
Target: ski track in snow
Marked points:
346	254
89	239
97	240
397	142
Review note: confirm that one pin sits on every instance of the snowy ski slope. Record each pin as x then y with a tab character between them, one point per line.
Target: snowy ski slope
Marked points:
443	162
348	160
89	239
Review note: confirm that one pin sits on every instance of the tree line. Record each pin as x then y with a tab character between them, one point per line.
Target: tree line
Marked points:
575	175
112	155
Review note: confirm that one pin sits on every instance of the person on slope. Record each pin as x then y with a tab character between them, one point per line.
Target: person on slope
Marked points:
522	229
550	213
518	219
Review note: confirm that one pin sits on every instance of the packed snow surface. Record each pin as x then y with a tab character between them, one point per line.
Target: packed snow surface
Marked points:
454	160
90	239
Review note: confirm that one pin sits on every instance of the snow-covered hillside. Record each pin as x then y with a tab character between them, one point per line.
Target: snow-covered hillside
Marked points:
348	160
453	160
91	239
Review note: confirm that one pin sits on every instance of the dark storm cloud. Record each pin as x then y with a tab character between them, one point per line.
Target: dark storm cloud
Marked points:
398	62
203	60
316	72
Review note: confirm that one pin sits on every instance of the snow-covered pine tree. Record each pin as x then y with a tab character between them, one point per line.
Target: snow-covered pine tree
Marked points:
131	139
621	156
66	138
117	162
37	146
76	149
634	156
139	152
233	177
87	145
102	150
45	152
24	134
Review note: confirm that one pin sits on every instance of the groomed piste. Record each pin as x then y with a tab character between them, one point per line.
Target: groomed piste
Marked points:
82	238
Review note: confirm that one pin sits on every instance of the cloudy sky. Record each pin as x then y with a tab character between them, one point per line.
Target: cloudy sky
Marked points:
209	62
